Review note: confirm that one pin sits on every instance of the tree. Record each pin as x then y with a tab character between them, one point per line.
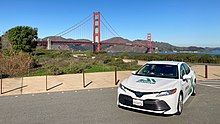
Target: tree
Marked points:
0	42
22	38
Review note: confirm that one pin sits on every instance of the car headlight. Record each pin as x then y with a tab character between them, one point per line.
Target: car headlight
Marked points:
167	92
122	87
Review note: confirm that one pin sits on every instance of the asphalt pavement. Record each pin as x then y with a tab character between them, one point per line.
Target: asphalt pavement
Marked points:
98	106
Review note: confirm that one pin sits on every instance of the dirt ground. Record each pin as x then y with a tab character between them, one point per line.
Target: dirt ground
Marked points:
37	84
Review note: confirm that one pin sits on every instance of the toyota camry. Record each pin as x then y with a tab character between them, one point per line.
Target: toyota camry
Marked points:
158	87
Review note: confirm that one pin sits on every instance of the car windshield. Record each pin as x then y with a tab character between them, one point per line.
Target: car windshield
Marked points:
158	70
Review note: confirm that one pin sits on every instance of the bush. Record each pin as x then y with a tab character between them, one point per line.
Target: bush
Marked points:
13	63
55	70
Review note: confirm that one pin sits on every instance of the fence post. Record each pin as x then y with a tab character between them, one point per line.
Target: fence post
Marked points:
116	77
1	82
21	84
46	82
206	71
83	78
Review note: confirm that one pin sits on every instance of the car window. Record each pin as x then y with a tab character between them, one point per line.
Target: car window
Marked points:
182	71
159	70
186	68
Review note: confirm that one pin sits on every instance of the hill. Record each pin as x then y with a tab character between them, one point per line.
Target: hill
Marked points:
161	46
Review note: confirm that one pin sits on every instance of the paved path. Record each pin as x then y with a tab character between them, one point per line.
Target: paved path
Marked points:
98	106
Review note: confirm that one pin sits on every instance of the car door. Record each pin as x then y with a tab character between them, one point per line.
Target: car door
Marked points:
190	73
185	83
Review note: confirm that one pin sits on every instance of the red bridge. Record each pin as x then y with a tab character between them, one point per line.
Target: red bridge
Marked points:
96	28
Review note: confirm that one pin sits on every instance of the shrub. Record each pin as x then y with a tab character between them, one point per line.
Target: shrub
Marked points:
14	63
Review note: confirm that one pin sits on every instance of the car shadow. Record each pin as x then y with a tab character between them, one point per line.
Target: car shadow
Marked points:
189	101
144	112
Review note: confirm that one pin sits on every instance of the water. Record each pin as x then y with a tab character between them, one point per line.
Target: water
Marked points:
213	52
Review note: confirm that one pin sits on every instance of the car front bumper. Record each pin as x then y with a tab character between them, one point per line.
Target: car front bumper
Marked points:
148	104
151	103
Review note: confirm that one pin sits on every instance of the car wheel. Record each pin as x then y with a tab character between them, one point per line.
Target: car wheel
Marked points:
194	89
180	105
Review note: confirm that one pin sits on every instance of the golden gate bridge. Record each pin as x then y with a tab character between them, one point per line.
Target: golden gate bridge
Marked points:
97	20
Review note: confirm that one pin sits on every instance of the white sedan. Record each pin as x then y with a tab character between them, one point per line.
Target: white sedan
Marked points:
159	87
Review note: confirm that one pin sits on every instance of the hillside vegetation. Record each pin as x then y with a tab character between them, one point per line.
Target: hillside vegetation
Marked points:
56	62
161	46
186	57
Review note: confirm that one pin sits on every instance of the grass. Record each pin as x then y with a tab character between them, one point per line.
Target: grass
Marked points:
100	68
38	72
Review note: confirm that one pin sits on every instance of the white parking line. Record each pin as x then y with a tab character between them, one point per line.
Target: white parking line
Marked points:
209	85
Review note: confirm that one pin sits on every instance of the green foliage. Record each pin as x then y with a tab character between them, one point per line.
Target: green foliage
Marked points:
54	62
191	58
38	72
22	38
100	68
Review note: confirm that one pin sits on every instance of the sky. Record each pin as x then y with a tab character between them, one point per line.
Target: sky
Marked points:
178	22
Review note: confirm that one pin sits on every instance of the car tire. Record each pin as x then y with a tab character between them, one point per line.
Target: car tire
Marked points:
194	89
180	105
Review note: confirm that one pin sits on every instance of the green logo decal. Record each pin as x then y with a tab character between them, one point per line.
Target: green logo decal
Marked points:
147	80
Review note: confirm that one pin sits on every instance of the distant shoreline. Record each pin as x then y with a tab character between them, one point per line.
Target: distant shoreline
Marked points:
213	52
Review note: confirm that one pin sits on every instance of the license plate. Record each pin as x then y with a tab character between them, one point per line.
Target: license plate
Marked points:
138	102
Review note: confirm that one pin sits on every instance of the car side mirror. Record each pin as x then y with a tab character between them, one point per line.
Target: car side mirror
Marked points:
185	77
133	72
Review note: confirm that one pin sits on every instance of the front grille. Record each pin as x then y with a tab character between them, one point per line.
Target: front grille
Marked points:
148	104
140	94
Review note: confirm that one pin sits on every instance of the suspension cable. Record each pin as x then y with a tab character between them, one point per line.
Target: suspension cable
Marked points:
76	27
67	30
110	25
108	28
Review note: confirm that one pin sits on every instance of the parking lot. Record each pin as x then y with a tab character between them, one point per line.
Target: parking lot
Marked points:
99	106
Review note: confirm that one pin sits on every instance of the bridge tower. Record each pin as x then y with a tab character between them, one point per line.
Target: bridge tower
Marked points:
149	43
49	46
96	32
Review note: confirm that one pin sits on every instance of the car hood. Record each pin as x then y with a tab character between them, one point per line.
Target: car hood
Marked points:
149	84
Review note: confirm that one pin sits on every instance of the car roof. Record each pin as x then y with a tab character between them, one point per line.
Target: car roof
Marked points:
164	62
